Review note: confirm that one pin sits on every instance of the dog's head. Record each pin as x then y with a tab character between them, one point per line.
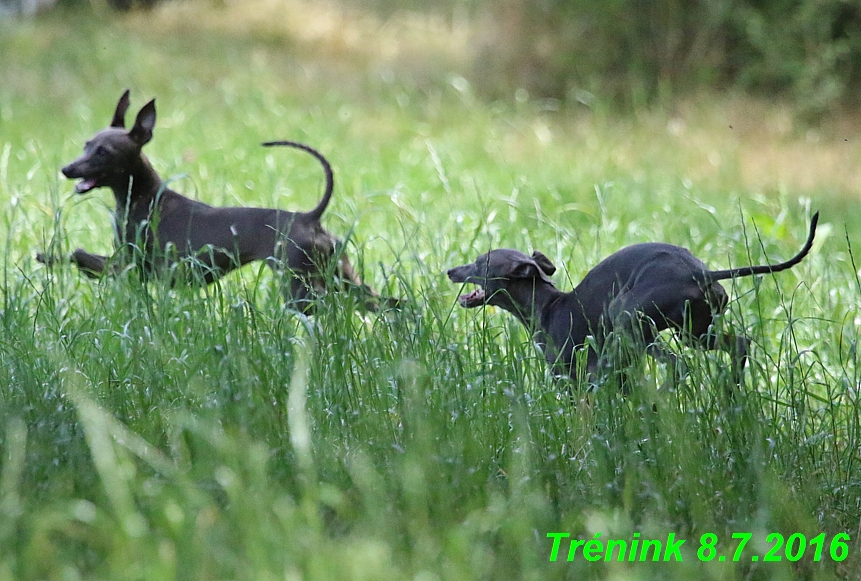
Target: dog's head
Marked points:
111	154
505	278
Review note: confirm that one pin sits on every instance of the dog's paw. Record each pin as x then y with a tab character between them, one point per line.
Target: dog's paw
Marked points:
377	304
394	303
45	259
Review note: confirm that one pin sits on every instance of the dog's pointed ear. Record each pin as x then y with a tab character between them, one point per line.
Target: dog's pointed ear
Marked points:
543	263
141	133
119	119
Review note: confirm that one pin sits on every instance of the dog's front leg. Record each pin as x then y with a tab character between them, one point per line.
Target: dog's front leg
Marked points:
92	265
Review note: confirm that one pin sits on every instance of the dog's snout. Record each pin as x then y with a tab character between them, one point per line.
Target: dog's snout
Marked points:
457	274
69	171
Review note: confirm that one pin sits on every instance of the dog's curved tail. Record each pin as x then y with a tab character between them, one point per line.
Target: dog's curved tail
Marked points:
317	212
768	268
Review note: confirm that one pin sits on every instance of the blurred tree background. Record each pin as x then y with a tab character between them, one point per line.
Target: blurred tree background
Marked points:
639	50
634	52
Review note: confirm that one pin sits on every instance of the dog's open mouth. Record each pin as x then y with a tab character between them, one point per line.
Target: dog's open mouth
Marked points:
85	185
473	299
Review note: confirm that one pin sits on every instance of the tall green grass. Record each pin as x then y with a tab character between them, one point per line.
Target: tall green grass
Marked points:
150	432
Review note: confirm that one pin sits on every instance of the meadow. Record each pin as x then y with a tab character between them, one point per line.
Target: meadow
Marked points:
150	432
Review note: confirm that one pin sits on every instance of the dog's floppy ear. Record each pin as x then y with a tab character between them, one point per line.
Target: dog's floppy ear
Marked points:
141	133
119	119
533	267
525	268
543	263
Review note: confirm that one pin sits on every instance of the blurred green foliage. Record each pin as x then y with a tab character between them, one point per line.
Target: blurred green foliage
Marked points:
179	433
637	51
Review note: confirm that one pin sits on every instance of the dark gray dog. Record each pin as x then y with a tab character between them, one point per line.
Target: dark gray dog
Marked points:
166	227
638	291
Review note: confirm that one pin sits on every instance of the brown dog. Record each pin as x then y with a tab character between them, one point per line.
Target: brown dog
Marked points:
160	227
638	291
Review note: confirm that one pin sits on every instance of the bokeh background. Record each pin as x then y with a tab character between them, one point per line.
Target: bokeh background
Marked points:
150	432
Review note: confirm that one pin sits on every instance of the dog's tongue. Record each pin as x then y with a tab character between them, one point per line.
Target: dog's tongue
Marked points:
473	299
84	186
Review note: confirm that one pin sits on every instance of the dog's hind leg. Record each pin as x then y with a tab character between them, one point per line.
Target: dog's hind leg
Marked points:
738	347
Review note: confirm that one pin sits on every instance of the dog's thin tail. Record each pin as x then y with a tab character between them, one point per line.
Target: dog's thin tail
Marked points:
317	212
769	268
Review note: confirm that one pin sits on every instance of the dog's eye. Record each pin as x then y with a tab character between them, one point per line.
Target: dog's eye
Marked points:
101	151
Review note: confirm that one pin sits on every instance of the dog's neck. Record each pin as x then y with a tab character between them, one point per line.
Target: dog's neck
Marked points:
532	304
138	185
